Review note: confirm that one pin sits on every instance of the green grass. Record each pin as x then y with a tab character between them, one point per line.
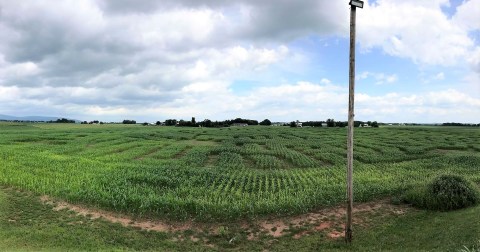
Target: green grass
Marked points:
416	231
427	231
226	173
28	225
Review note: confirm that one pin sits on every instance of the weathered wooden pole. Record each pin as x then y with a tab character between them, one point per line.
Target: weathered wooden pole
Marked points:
351	115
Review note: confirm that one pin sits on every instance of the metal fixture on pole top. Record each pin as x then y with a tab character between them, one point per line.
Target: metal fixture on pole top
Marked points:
351	94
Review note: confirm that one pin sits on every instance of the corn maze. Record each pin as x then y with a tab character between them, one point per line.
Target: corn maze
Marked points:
226	173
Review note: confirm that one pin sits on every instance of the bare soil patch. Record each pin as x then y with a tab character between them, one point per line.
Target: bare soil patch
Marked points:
124	220
328	221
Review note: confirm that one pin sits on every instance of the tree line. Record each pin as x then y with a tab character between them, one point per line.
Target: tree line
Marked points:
62	120
333	123
266	122
209	123
244	122
461	124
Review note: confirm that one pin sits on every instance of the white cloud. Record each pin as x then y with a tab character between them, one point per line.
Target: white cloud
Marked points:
467	15
474	60
417	30
439	76
438	106
179	58
380	78
19	70
325	81
214	100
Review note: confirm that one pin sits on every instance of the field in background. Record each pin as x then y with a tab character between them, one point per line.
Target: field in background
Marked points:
226	173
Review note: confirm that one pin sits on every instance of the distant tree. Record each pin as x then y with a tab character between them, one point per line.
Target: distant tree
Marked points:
330	123
183	123
63	120
266	122
170	122
240	120
460	124
193	121
208	123
293	124
129	122
158	123
374	124
145	123
84	122
313	123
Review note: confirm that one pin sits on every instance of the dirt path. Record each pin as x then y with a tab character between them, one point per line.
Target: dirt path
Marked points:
124	220
329	221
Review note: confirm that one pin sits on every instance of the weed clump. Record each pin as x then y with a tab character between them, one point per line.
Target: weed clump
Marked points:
445	193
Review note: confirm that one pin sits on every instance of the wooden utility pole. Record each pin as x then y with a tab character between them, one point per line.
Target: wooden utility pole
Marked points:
351	115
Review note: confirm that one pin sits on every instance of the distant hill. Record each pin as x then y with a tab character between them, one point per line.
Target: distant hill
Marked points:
29	118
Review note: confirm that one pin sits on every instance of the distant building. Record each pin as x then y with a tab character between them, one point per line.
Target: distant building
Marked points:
239	125
298	124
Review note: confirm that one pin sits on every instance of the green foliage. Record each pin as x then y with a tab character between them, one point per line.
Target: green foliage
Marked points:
266	122
444	193
225	173
63	120
170	122
129	122
26	224
330	123
313	123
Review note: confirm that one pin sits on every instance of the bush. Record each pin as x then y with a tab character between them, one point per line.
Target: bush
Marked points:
266	122
444	193
129	122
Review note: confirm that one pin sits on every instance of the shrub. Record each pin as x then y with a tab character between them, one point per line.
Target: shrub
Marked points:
444	193
266	122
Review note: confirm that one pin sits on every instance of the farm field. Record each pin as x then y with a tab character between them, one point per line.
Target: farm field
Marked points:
226	173
27	224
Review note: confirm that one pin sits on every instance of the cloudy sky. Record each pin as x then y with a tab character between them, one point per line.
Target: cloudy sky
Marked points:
417	60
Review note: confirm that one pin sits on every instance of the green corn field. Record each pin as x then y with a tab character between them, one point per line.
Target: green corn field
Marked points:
226	173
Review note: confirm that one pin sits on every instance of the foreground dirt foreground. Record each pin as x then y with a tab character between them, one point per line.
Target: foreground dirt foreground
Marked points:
328	221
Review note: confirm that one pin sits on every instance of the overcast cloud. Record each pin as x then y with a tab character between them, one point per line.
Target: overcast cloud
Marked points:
153	60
